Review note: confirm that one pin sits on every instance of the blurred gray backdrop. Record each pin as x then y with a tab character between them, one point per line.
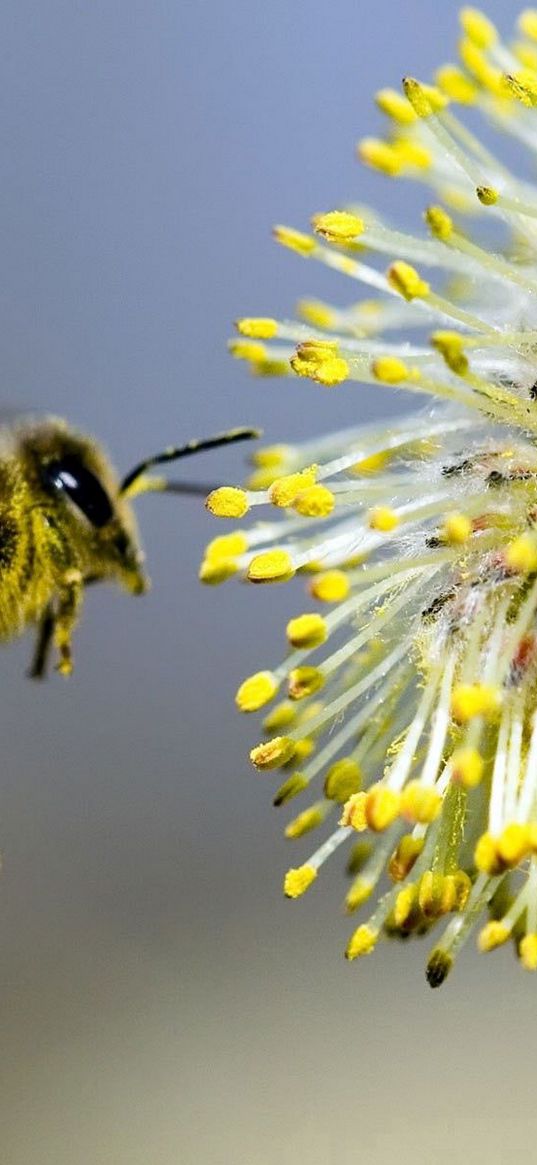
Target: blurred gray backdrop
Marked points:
160	1002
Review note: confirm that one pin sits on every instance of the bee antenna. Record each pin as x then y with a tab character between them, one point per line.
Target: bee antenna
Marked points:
175	452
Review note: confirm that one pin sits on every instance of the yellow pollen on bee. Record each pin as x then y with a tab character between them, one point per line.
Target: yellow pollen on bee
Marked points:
420	803
470	700
330	587
521	554
362	942
297	241
390	370
228	502
407	281
382	807
467	767
393	104
339	226
305	681
271	566
342	780
272	754
307	630
316	501
284	491
404	856
354	812
383	519
455	84
493	934
297	881
256	691
257	327
456	529
527	952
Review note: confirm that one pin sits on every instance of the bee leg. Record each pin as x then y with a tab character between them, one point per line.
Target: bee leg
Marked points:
69	603
38	666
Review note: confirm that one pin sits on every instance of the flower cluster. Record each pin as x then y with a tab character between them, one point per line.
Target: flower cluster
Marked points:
408	695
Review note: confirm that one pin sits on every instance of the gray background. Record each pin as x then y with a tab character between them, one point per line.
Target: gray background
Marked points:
159	1001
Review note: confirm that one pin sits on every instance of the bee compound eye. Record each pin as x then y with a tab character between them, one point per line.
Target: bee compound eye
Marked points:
70	476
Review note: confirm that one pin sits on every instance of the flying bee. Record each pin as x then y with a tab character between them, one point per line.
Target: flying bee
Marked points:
67	521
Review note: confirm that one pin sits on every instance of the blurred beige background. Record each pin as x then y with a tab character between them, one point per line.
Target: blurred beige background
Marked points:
160	1003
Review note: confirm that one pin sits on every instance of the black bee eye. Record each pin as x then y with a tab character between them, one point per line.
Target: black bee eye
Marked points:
83	488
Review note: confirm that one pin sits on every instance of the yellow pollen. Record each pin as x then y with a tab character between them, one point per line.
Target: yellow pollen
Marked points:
271	566
382	518
467	767
303	749
305	681
316	501
522	87
362	942
450	345
319	360
354	812
339	226
228	502
248	350
358	893
395	105
436	894
406	281
382	807
257	328
493	934
455	84
514	844
330	587
405	904
256	691
306	821
439	222
281	716
469	700
486	855
217	570
404	856
297	881
487	195
380	156
390	370
271	456
342	780
424	99
521	554
527	950
307	631
316	313
420	803
226	546
284	491
291	788
271	754
297	241
457	529
478	27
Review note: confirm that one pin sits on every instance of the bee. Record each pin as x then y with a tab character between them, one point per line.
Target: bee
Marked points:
67	521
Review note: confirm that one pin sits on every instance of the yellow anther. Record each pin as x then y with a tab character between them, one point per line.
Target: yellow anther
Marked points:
456	529
342	780
527	23
271	456
217	570
256	691
467	766
305	681
257	327
486	856
439	965
362	942
412	153
382	518
281	716
526	53
358	893
420	803
390	370
307	631
463	887
272	754
382	807
359	853
527	949
269	367
227	546
455	84
303	749
474	59
439	222
284	491
380	156
478	27
436	894
522	87
406	281
493	934
469	700
424	99
450	345
262	479
297	241
405	904
330	587
247	350
339	226
487	195
306	821
354	812
316	501
291	788
404	856
319	360
521	554
316	313
271	566
372	464
228	502
393	104
513	844
297	881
